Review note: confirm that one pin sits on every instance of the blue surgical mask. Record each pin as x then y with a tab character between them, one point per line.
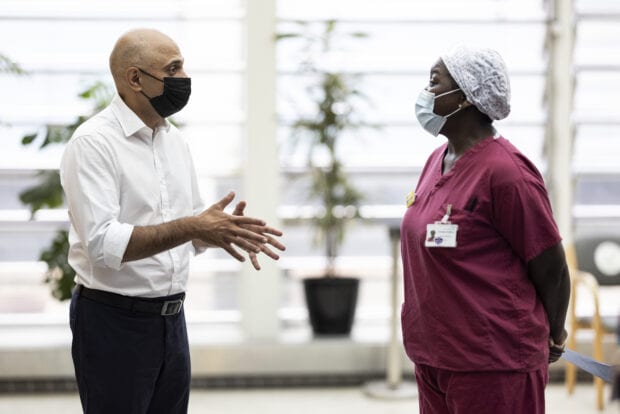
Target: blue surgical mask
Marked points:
424	107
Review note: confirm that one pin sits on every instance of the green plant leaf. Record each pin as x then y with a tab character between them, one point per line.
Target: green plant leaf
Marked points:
330	26
47	193
7	65
28	139
281	36
60	274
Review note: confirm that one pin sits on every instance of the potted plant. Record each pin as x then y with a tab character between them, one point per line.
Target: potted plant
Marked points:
331	298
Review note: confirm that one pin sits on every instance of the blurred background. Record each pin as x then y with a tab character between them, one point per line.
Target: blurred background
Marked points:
259	73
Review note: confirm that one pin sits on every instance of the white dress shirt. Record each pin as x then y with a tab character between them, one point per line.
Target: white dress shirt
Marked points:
118	173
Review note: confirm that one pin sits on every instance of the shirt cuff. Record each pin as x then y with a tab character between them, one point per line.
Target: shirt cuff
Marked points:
115	243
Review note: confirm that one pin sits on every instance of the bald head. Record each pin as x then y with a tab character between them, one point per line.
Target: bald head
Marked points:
142	48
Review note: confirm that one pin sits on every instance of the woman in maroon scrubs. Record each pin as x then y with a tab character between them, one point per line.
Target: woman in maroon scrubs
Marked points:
486	280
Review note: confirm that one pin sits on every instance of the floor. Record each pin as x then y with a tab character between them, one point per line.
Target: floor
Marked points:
298	401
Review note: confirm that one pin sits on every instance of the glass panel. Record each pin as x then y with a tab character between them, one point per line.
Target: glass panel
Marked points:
397	46
597	149
390	98
80	46
395	10
595	96
597	43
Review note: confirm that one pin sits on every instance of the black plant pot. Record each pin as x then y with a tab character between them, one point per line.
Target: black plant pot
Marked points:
331	304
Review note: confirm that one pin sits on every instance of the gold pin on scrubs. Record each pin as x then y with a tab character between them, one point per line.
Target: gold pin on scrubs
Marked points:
410	198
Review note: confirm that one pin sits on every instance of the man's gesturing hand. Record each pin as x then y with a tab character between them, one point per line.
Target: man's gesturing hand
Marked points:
214	227
264	231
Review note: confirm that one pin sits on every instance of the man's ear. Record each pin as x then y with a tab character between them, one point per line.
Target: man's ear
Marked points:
132	75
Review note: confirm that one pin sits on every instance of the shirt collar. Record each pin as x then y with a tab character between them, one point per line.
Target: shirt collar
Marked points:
130	122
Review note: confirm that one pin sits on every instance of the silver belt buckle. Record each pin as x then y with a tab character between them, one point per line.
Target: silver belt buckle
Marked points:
171	307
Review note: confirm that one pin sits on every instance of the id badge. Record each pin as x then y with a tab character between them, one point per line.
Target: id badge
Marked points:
441	235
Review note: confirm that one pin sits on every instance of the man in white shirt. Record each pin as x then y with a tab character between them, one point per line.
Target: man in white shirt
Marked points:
136	216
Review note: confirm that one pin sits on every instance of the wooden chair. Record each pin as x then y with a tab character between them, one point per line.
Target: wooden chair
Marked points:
590	280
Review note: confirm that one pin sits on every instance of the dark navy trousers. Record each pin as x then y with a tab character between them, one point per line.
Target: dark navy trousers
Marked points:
128	362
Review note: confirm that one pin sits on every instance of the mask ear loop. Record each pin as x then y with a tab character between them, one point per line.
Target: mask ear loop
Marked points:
148	74
145	95
447	93
455	111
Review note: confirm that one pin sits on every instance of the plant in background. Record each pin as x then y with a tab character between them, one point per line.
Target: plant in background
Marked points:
8	66
334	95
48	192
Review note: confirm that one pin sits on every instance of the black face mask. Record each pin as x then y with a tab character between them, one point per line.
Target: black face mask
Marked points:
175	96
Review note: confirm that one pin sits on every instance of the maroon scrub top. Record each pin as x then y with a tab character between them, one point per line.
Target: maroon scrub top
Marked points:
473	307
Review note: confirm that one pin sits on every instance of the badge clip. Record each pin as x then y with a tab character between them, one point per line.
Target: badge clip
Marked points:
446	218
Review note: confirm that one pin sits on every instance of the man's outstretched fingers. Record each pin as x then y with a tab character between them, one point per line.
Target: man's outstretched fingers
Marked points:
249	235
264	229
221	205
271	230
246	245
275	243
254	260
239	208
234	253
258	228
247	221
269	252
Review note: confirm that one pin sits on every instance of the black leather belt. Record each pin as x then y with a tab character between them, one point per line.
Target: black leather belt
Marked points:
154	306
